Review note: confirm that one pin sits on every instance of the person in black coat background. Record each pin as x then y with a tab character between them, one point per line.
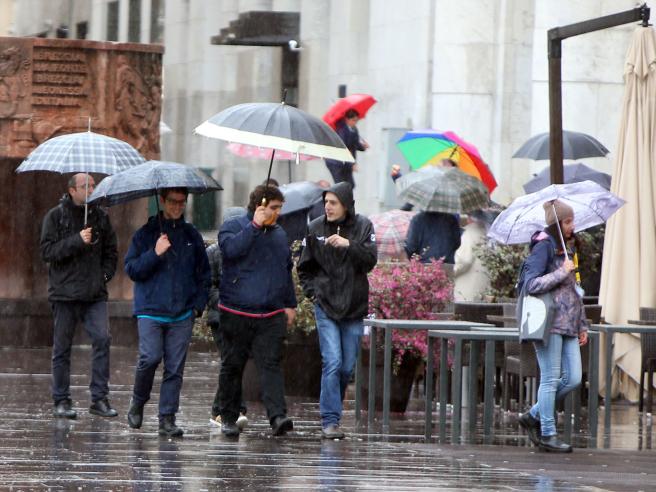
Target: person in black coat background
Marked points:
348	131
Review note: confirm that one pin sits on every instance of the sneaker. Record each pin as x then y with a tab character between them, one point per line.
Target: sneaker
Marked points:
332	431
532	427
281	424
242	421
229	429
216	421
168	428
103	408
64	409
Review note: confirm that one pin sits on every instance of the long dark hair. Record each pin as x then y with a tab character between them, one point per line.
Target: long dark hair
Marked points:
574	243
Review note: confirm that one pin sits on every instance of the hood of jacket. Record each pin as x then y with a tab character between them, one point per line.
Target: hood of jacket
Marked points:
344	192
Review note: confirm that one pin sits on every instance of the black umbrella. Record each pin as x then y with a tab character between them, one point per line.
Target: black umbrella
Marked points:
300	196
575	146
574	173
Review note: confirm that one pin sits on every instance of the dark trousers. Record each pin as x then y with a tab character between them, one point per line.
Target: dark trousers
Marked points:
263	338
341	171
96	323
157	341
218	340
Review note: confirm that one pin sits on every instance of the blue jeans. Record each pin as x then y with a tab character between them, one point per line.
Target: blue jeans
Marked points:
560	373
339	342
157	341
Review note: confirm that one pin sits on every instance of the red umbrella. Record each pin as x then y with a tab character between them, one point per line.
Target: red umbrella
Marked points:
359	102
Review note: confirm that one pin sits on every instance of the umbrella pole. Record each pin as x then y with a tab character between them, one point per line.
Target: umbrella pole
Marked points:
560	232
159	215
86	205
273	153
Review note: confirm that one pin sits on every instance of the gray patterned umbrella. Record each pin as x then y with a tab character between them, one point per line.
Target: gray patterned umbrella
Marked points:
84	152
147	178
440	189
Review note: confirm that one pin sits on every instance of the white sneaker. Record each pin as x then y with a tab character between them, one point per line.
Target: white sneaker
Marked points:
216	421
242	421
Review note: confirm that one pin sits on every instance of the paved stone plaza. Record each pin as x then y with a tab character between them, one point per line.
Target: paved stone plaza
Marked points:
38	452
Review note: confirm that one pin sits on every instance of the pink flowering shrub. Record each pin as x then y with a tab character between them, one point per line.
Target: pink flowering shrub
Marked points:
409	290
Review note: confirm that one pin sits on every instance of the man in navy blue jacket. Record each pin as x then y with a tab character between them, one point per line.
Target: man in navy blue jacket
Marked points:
348	131
257	302
171	274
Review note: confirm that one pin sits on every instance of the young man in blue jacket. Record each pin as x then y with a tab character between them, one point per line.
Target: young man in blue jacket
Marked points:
171	274
257	303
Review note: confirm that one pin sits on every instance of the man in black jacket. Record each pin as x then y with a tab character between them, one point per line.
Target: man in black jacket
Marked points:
81	260
340	249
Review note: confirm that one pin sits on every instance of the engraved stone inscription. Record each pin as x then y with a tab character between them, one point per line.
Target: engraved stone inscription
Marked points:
59	77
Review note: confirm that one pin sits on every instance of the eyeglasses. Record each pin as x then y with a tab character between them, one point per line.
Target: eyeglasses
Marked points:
84	186
179	203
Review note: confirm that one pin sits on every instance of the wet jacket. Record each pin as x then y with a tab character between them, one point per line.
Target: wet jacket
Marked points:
77	271
257	267
337	277
433	235
174	283
543	273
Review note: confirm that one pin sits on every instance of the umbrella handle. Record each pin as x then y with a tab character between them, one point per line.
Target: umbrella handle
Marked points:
560	232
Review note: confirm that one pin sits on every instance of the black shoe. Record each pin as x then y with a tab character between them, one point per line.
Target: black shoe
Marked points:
135	415
64	409
103	408
554	445
281	424
168	428
532	427
229	429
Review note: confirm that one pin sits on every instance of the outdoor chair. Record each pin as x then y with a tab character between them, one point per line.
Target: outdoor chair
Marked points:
647	358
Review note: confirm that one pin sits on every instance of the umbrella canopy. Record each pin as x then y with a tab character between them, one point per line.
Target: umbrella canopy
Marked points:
146	179
441	189
429	147
391	229
592	205
629	261
243	150
573	173
276	126
575	146
358	102
300	196
86	152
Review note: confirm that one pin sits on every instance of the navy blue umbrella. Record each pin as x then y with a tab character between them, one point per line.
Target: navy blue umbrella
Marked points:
576	145
147	179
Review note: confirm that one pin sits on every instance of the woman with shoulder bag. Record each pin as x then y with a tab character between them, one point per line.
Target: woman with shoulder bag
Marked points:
551	269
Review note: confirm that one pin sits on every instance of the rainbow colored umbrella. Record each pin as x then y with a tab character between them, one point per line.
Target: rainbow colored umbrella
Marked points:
428	147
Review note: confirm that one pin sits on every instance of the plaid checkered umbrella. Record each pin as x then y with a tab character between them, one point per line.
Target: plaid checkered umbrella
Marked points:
147	178
440	189
391	229
84	152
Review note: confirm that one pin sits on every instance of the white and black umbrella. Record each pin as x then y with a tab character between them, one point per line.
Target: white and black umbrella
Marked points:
276	126
84	152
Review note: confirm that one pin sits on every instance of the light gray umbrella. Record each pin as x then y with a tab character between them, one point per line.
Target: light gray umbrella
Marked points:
300	195
576	145
147	179
573	173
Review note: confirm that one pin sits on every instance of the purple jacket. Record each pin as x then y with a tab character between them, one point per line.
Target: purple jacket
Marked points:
569	319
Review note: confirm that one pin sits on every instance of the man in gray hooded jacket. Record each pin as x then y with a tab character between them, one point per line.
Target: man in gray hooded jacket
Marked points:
339	251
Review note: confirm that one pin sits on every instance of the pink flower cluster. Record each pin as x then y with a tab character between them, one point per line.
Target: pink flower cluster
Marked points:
409	290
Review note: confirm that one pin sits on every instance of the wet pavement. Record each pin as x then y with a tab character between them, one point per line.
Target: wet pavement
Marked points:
38	452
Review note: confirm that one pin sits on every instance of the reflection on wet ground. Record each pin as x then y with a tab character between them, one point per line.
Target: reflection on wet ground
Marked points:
91	453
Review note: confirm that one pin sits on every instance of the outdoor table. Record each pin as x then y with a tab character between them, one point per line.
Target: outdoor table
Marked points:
487	335
388	325
610	330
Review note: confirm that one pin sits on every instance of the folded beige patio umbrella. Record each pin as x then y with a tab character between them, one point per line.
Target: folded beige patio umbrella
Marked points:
628	277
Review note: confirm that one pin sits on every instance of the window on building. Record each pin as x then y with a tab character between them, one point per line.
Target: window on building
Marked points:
81	30
157	21
112	21
134	22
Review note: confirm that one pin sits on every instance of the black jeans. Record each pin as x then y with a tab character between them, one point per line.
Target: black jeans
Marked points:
96	323
218	340
263	338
